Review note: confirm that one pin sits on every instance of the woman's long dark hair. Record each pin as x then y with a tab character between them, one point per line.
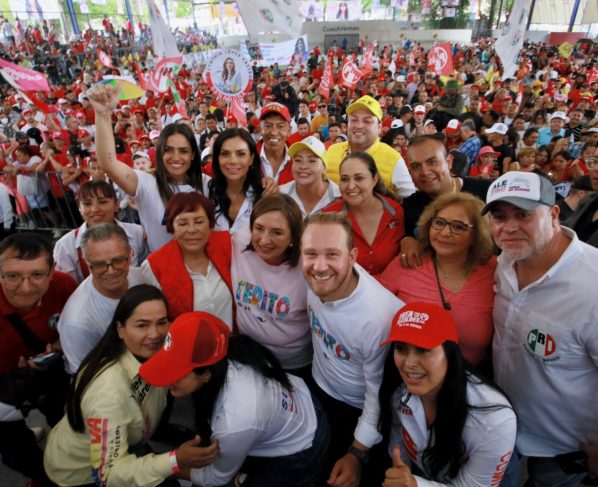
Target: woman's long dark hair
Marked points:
246	351
193	175
444	458
218	183
107	351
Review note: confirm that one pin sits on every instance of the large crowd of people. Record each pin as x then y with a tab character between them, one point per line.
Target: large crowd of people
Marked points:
385	285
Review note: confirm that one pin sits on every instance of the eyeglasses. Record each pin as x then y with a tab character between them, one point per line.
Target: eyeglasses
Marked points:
456	227
321	106
117	264
16	279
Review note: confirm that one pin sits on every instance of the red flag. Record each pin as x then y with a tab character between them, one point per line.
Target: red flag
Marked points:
367	63
237	110
350	74
327	80
104	59
440	59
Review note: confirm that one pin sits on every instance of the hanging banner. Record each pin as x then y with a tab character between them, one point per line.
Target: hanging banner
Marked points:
265	16
281	52
510	41
229	74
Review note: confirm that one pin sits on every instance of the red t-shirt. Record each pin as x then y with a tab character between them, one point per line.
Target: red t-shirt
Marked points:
42	321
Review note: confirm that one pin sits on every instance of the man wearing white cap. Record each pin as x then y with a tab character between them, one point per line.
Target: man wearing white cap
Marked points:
365	116
556	129
545	347
496	136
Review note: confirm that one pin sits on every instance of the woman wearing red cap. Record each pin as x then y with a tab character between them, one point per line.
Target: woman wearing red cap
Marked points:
377	218
443	423
111	412
457	269
269	430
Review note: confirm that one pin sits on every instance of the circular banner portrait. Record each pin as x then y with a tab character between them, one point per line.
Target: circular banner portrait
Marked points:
229	74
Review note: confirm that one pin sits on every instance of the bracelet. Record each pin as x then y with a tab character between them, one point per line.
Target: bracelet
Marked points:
173	463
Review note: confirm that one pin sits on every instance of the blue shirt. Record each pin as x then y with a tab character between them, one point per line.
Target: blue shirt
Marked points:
545	135
471	147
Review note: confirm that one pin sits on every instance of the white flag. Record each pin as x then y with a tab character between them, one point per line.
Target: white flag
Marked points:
164	42
510	41
262	16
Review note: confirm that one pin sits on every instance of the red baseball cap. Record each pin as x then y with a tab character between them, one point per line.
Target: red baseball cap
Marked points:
453	126
424	325
195	339
82	133
277	109
57	135
312	105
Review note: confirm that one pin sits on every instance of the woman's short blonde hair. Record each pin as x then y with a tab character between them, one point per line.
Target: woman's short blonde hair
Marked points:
482	245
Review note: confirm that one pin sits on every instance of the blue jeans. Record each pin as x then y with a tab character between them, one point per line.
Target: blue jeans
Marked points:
296	470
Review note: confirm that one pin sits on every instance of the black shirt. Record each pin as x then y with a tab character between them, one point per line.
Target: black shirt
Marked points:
414	205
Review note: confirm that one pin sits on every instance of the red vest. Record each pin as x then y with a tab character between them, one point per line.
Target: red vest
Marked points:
169	268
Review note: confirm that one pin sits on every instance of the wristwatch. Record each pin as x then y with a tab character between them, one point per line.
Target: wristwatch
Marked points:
361	455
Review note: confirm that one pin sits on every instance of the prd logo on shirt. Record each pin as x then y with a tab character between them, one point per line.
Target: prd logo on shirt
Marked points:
540	343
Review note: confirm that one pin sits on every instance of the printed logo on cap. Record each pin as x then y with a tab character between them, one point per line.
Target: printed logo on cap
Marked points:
413	319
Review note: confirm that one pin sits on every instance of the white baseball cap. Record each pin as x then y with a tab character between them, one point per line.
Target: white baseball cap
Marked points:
525	190
561	115
420	109
312	144
397	123
498	128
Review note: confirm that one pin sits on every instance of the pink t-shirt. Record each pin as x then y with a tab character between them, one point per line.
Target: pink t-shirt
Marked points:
271	304
471	307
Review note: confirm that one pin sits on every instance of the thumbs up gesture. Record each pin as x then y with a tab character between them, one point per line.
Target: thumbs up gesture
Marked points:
400	474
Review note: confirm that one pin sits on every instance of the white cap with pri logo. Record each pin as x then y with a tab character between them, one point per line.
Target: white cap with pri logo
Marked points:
525	190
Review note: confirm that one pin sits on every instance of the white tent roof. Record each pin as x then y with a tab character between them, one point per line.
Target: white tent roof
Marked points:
560	11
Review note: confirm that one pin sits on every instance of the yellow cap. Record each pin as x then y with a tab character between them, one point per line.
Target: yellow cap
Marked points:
368	103
312	144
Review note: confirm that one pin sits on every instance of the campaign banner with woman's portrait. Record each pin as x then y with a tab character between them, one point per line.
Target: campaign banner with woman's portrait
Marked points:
229	74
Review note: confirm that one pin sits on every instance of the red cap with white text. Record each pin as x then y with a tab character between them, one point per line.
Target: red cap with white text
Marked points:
195	339
424	325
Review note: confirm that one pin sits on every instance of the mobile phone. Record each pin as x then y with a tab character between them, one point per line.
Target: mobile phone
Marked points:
46	358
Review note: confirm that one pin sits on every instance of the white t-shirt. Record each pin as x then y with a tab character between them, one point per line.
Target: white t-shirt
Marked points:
488	436
256	417
242	219
330	195
152	211
85	318
66	250
348	361
7	214
271	304
210	292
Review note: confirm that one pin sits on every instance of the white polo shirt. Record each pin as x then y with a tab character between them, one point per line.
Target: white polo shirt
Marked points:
545	350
